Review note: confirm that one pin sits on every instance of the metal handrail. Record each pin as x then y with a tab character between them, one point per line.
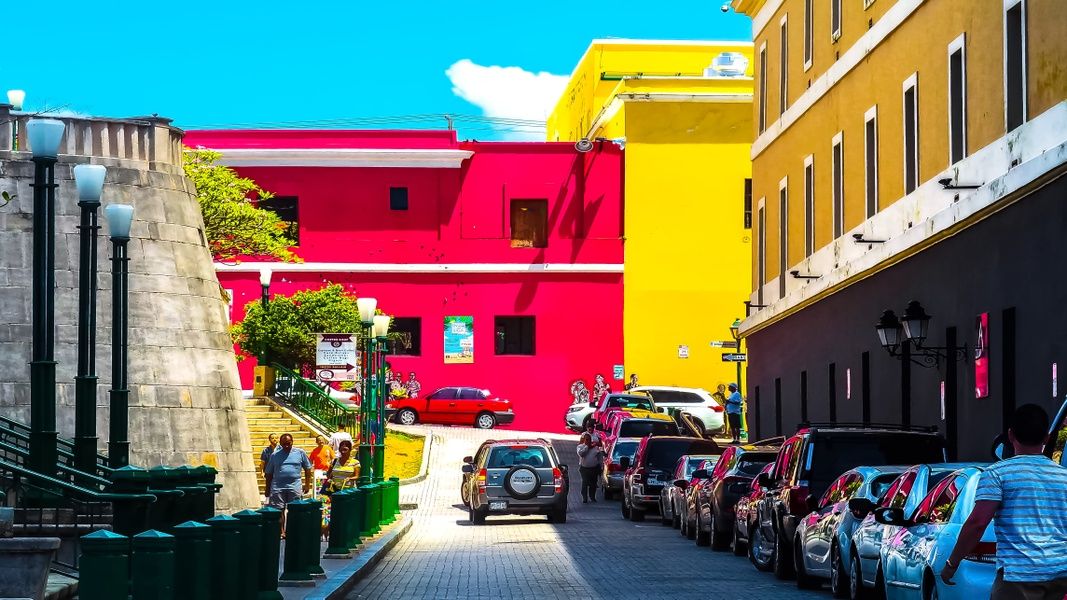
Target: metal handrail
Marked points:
19	455
311	401
65	447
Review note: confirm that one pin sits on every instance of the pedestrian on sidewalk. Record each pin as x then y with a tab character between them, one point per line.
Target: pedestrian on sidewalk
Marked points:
272	441
344	471
590	462
322	455
338	436
1025	497
283	475
734	405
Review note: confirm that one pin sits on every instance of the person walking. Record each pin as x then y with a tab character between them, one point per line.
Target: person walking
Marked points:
283	475
344	470
734	404
338	436
322	456
1025	497
264	456
720	396
590	462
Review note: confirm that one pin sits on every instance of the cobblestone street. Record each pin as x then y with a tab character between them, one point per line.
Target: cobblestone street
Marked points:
596	554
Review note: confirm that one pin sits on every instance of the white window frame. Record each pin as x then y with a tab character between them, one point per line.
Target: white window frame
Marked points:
959	45
868	176
809	205
783	65
836	6
867	4
762	108
809	34
1008	5
912	82
783	234
837	174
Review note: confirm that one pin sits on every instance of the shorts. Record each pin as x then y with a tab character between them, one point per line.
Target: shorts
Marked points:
1027	590
734	419
279	498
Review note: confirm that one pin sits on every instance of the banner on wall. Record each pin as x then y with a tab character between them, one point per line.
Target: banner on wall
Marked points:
981	357
459	340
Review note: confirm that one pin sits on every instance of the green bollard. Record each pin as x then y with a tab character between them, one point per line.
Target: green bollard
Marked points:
388	516
152	566
129	516
369	526
296	570
185	481
225	557
104	566
377	507
355	522
313	546
268	555
251	529
205	477
395	502
340	516
192	561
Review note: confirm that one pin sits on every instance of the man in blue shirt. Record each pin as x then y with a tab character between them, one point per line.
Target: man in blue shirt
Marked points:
733	412
1026	498
283	475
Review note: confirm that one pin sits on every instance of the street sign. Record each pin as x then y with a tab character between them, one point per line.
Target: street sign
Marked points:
723	344
683	351
336	358
618	373
734	357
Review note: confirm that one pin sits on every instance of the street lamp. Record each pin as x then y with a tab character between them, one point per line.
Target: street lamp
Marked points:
15	98
119	221
906	338
735	332
915	322
90	183
366	307
265	273
381	330
44	135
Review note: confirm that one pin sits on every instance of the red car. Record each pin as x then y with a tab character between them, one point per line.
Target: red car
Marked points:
453	406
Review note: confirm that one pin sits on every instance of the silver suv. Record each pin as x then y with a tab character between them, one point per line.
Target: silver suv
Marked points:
516	477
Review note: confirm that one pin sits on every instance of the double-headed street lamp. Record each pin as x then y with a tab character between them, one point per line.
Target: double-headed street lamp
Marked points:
367	308
90	183
735	332
119	221
265	274
381	330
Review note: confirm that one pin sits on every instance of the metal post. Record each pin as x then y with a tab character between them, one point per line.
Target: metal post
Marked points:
43	455
265	303
118	445
366	397
741	390
379	410
152	566
85	438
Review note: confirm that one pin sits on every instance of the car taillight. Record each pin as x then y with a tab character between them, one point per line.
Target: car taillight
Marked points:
481	481
983	552
557	479
614	467
716	408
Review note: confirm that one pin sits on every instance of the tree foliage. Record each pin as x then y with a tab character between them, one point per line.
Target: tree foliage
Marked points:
289	323
233	225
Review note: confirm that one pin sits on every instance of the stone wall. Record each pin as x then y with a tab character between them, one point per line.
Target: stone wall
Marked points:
185	400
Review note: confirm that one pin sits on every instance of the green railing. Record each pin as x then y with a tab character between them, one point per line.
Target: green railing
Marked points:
308	399
18	434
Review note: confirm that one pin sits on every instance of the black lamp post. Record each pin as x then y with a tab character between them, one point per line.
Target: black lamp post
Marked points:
44	136
119	220
90	182
735	332
264	284
905	338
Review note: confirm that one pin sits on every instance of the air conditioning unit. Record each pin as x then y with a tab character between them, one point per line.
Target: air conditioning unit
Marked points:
727	64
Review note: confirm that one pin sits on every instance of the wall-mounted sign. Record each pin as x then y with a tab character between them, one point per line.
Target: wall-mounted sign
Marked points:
618	372
848	384
683	351
723	344
336	358
733	358
459	340
981	356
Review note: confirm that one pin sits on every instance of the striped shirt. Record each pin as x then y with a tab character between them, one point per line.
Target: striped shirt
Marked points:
1031	523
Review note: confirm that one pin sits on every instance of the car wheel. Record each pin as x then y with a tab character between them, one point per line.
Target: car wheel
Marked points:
856	591
880	592
636	514
755	550
703	538
930	587
676	522
718	538
609	494
804	581
736	545
838	574
558	515
700	427
465	496
485	421
664	520
690	528
783	557
587	422
406	416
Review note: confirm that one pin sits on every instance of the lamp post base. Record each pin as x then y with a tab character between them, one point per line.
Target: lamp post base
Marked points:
85	438
118	454
366	464
43	435
379	463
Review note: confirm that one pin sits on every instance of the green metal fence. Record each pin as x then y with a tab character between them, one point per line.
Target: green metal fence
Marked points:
308	399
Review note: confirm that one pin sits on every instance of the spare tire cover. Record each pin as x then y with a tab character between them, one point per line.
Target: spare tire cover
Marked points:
522	482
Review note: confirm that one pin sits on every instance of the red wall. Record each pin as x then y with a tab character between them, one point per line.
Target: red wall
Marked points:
460	216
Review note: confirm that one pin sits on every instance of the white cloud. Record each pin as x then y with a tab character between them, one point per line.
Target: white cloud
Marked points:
508	92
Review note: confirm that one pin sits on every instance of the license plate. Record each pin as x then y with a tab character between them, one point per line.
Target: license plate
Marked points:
499	505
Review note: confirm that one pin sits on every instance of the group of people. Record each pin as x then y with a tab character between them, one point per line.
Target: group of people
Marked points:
289	472
734	405
601	388
398	388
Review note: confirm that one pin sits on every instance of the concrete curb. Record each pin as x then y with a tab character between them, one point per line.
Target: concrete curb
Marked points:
427	447
342	582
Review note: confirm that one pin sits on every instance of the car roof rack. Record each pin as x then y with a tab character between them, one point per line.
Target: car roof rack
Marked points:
861	425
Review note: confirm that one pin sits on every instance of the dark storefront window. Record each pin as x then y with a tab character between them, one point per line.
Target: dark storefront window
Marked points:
398	198
286	207
529	223
515	335
407	336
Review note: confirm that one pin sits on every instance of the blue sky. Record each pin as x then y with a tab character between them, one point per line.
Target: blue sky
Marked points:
232	62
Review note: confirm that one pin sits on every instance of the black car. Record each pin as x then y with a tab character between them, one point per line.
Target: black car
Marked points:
711	499
651	468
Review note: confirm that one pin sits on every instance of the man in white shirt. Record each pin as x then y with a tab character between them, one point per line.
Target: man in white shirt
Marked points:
338	436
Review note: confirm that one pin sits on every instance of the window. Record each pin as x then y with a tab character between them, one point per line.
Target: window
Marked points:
473	394
444	394
1014	64
835	20
809	205
957	101
286	209
783	234
911	134
808	37
761	254
870	157
398	198
406	336
783	66
937	507
529	223
762	119
748	204
838	175
515	335
897	495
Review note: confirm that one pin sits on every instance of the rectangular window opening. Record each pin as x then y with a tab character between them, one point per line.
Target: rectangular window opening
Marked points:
803	396
870	135
515	335
529	223
809	206
911	135
762	119
762	255
398	198
748	204
783	236
838	174
1015	65
405	336
287	209
808	37
957	103
835	20
783	68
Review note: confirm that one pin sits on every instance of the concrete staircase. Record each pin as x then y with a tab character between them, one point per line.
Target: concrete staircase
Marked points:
264	418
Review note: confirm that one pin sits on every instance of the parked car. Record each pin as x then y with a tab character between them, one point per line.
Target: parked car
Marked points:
650	469
862	557
698	402
630	425
454	406
611	475
579	415
517	477
672	497
822	543
808	464
915	555
711	498
745	518
464	486
617	402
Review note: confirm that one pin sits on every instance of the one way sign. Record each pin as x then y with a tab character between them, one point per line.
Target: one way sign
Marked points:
736	357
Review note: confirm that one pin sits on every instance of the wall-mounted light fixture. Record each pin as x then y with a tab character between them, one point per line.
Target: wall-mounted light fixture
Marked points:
949	183
797	275
913	328
859	239
749	306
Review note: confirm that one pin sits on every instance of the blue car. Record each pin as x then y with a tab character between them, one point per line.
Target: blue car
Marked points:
913	557
865	550
821	549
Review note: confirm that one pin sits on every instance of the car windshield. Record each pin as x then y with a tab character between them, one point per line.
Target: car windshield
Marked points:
663	454
505	457
699	462
752	464
881	483
630	402
831	455
635	428
622	449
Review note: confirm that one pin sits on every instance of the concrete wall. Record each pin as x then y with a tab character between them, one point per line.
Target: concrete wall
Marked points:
185	404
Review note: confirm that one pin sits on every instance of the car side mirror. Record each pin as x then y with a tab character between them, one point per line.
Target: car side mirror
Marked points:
468	459
890	516
701	474
860	507
468	468
624	462
681	484
764	480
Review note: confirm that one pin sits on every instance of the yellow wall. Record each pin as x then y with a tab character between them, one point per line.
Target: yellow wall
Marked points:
687	255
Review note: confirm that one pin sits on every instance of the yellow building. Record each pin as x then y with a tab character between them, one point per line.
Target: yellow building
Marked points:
906	150
687	131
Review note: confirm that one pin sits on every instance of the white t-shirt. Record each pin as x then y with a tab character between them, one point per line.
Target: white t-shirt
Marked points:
337	438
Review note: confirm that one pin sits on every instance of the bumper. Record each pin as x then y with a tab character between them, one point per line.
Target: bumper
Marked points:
533	506
504	417
612	482
573	421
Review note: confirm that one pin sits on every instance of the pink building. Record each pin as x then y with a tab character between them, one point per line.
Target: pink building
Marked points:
525	238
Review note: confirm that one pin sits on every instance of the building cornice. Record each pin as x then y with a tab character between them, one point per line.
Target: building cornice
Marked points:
329	267
344	157
619	98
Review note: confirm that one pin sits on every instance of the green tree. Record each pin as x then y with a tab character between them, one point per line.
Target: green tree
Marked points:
288	325
233	225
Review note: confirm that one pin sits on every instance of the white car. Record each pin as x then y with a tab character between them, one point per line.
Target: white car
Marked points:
578	414
695	401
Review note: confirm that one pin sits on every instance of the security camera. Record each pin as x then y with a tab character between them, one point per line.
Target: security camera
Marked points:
725	8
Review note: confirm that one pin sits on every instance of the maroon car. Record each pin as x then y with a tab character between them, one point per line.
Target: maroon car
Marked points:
746	516
711	498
